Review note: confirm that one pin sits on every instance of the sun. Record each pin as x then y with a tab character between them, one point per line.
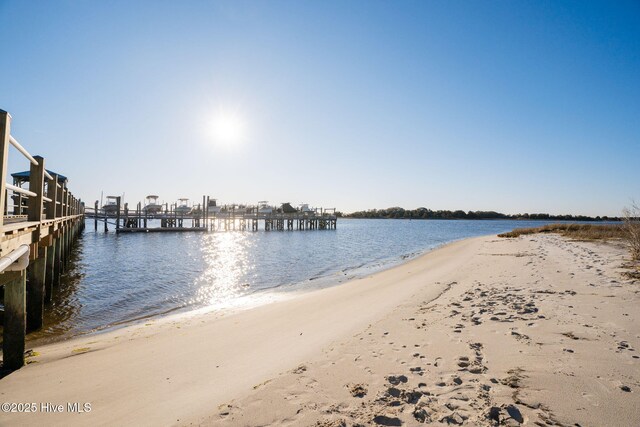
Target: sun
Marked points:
228	129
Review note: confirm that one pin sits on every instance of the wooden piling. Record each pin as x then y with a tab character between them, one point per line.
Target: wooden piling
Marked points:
14	329
36	269
118	213
50	272
36	273
57	261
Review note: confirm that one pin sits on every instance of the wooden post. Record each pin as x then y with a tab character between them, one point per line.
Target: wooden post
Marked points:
14	321
63	200
5	133
57	260
63	229
206	213
36	269
36	289
118	213
50	207
50	271
95	216
59	193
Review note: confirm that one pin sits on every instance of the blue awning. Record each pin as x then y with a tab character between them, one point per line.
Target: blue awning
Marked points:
24	176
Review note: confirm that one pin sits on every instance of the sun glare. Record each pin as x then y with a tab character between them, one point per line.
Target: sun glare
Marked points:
228	129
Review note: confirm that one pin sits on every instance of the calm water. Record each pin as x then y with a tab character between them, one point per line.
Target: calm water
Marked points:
120	278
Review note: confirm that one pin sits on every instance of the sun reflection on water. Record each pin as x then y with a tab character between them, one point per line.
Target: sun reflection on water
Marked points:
226	262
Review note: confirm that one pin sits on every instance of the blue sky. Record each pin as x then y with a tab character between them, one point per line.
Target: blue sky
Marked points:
513	106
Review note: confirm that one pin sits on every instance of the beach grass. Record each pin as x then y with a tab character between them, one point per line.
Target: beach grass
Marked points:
632	229
627	231
575	231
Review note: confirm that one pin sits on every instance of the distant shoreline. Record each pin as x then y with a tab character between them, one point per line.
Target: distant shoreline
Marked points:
399	213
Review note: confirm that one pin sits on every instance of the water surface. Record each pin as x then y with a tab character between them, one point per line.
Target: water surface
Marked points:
115	279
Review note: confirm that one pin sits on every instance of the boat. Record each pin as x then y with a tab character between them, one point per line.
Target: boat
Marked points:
304	208
183	207
264	208
152	206
111	206
212	207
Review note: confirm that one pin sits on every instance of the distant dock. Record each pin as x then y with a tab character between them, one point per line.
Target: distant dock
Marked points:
224	218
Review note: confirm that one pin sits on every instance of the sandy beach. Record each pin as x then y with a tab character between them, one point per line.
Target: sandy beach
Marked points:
538	330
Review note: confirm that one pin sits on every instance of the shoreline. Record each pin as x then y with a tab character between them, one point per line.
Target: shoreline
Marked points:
74	320
316	347
249	300
194	349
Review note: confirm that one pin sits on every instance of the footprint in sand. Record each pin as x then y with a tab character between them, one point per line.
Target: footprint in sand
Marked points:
397	379
357	390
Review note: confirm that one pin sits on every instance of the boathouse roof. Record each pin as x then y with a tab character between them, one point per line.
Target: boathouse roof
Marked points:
24	176
287	208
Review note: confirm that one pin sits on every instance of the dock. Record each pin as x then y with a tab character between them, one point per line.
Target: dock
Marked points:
38	229
225	218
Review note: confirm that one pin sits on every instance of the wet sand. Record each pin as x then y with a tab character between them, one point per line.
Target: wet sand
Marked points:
535	331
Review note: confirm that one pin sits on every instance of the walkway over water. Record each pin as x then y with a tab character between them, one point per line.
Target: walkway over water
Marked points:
37	230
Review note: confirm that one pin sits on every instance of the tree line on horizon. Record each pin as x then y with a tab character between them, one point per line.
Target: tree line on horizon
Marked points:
424	213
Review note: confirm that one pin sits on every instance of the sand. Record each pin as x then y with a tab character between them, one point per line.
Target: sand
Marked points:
536	331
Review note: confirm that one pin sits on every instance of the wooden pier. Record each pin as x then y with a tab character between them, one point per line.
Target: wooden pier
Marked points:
40	224
228	218
37	233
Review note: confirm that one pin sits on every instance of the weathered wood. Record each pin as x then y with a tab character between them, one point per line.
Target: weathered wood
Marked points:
5	133
49	271
118	213
50	207
36	185
67	246
59	193
57	261
13	339
36	273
